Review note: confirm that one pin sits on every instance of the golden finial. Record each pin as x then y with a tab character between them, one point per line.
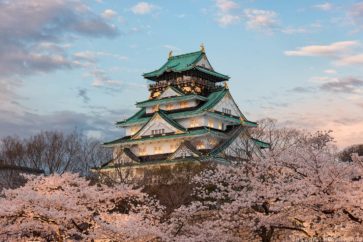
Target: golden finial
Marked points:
170	54
225	85
202	48
242	120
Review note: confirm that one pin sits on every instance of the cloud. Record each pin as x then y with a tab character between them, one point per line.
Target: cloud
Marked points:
330	71
100	79
225	17
226	5
344	85
29	29
356	14
324	6
350	60
302	89
83	93
91	56
323	50
261	20
142	8
109	13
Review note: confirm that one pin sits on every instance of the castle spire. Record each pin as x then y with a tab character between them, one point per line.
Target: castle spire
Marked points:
202	48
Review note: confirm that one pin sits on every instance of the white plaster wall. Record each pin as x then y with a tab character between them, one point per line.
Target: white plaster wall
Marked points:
167	146
168	93
176	105
205	63
228	103
131	130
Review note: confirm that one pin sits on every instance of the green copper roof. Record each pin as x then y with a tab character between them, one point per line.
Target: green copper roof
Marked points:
213	99
261	144
249	123
195	132
180	63
153	102
213	73
226	143
166	118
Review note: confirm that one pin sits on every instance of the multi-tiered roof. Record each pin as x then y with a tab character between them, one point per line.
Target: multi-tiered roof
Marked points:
190	104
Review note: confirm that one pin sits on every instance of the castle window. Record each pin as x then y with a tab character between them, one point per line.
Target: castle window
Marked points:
169	107
142	151
157	131
200	145
220	125
157	150
226	111
210	123
193	123
184	104
155	108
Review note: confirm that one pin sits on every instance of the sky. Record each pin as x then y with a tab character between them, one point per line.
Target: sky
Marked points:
73	64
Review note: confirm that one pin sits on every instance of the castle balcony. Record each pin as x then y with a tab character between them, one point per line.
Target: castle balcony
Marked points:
182	82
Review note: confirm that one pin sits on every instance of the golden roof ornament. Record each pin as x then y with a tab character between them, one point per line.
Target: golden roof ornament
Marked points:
170	54
202	48
225	85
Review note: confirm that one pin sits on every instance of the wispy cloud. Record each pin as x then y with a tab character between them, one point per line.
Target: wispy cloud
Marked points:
345	85
330	71
83	93
261	20
356	15
109	13
225	16
50	22
324	6
323	50
142	8
353	59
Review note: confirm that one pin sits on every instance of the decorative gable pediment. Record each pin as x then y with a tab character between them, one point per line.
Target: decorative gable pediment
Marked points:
204	62
227	104
170	92
158	125
184	150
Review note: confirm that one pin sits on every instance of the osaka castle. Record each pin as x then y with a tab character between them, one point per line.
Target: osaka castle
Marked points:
189	114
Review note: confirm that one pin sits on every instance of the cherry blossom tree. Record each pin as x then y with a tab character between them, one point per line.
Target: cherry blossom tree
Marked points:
67	207
300	191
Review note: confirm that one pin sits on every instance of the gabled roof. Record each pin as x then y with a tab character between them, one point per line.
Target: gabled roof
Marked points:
213	99
163	116
190	133
261	144
189	147
173	89
185	62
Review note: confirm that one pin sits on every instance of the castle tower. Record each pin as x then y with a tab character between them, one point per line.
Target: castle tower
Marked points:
190	114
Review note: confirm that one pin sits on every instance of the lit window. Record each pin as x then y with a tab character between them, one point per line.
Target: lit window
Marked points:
157	131
220	125
200	145
154	109
173	147
184	104
210	123
157	150
193	123
142	151
169	107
